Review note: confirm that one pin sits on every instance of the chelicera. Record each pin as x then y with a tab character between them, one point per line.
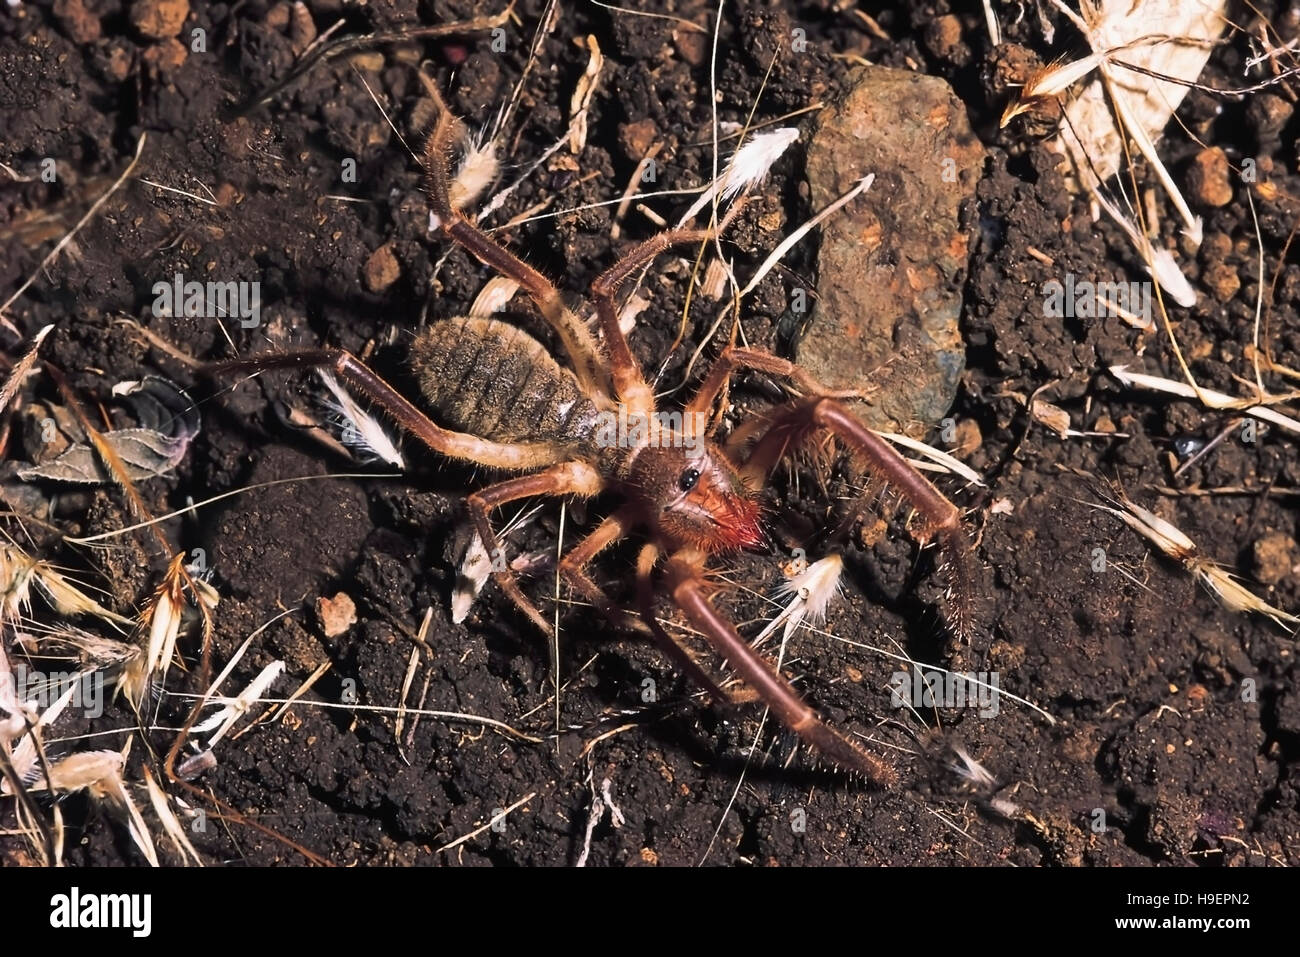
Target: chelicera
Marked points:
592	428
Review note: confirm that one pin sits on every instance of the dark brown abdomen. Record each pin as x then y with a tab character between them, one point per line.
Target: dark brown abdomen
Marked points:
493	380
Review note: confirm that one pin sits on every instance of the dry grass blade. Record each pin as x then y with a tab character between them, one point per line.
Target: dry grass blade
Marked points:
159	627
498	816
13	711
21	368
363	434
99	773
171	825
938	456
1176	545
19	572
1172	38
329	51
583	93
1211	398
235	708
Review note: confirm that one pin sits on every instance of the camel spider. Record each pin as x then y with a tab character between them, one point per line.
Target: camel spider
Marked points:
507	404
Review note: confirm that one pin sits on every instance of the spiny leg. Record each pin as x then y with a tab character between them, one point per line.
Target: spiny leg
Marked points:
513	456
733	360
686	585
629	382
789	425
573	565
572	569
579	344
645	566
567	478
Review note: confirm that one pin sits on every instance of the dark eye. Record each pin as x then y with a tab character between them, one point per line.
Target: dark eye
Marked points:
688	479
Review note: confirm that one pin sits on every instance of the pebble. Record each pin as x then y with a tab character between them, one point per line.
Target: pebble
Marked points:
968	438
159	19
1208	180
943	40
336	615
1275	557
382	268
81	25
637	138
1221	280
165	56
1267	114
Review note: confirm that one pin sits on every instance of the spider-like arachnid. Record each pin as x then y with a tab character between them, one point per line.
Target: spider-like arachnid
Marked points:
505	403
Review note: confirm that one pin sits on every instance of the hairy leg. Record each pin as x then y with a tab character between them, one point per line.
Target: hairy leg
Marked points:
579	344
942	521
629	382
686	583
573	569
567	478
733	360
645	566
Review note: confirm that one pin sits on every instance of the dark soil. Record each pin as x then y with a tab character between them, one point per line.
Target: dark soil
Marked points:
1177	734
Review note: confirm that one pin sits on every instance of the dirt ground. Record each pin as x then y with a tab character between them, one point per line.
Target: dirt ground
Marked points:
1175	731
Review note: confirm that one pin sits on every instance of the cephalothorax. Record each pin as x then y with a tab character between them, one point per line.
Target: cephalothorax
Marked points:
593	427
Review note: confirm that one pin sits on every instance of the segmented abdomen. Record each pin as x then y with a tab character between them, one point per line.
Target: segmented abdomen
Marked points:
493	380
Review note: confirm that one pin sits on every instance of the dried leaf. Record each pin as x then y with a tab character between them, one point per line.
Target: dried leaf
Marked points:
1171	37
145	454
162	406
168	419
1052	416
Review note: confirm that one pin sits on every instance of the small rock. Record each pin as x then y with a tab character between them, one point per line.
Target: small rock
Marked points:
159	19
637	138
1267	114
336	615
116	62
1215	247
1275	557
1207	178
943	40
1221	280
692	46
165	56
382	268
893	262
226	194
968	438
81	25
